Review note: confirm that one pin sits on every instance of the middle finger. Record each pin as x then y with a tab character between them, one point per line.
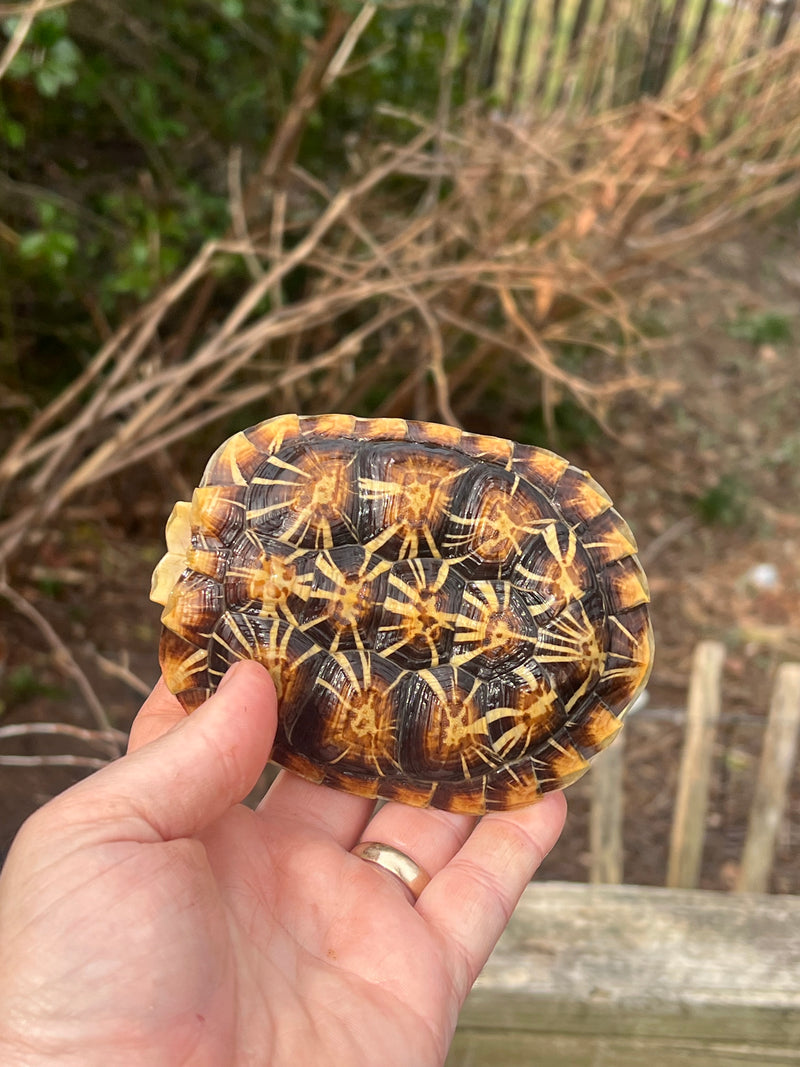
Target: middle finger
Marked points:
428	836
318	808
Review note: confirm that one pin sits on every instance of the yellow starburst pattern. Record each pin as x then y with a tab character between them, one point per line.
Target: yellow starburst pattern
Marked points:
572	641
455	731
527	719
342	596
492	626
416	617
408	500
268	578
629	659
557	565
500	519
360	724
314	497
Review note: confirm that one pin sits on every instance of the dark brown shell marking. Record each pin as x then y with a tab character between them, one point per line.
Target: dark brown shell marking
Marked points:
449	618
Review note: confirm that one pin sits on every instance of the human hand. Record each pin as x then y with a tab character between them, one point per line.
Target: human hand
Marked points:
147	917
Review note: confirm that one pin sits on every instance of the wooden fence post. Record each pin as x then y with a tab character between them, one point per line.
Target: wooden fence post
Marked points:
689	820
605	818
774	774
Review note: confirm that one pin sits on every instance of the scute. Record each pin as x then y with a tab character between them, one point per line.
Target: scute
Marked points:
306	495
495	629
345	584
495	515
348	719
416	621
450	619
406	496
447	738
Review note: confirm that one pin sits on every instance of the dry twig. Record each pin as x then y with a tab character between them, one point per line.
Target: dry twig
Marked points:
92	763
113	740
62	656
119	670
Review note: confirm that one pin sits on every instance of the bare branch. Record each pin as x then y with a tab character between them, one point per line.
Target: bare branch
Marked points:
119	670
62	656
91	763
113	740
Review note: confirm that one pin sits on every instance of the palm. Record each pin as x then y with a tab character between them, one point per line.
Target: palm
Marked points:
338	957
249	937
353	962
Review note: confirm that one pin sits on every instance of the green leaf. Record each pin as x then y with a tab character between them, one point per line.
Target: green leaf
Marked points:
54	248
66	54
232	9
48	28
48	81
47	212
61	248
31	244
21	65
761	328
12	132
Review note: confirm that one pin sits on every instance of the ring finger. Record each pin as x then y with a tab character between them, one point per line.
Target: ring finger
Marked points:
428	836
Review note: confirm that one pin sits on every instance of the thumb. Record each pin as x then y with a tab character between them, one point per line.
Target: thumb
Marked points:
182	782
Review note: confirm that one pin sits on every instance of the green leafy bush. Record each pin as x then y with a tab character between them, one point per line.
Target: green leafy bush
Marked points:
118	124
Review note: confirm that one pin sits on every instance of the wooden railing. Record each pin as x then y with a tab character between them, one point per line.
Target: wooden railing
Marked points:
611	975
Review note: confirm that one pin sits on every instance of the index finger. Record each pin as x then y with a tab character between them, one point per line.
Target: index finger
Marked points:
159	713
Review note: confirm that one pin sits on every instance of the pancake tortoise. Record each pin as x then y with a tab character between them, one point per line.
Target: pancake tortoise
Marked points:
450	619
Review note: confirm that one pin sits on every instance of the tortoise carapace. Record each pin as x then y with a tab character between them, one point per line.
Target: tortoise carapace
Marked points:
450	619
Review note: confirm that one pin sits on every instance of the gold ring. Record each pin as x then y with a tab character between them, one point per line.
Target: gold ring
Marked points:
412	876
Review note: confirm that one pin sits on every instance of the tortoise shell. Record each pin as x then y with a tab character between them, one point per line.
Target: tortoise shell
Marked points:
450	619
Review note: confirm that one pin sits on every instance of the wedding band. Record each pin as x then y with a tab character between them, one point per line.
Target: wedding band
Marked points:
413	877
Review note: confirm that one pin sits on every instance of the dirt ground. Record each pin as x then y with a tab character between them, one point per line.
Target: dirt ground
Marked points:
708	477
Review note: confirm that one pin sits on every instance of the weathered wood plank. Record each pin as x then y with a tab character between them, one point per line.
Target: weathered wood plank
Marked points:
605	822
480	1048
610	964
772	787
691	803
